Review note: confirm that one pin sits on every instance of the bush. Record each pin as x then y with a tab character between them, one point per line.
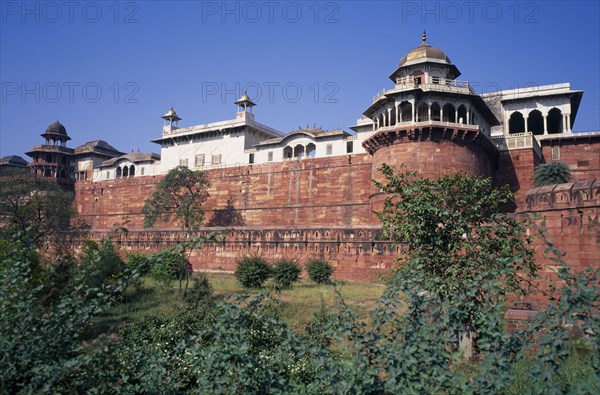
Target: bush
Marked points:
102	261
200	292
252	271
319	270
140	261
551	173
286	272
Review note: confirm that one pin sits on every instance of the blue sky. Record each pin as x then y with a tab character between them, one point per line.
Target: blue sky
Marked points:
109	70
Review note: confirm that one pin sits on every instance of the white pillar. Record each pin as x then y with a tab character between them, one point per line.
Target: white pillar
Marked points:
545	124
389	117
468	115
397	115
526	118
568	125
428	111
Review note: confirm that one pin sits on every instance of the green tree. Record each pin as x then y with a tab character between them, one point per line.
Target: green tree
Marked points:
39	205
41	342
458	246
551	173
179	196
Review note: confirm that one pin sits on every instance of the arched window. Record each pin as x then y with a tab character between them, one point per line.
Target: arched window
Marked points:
118	175
49	158
435	111
535	122
125	171
554	121
287	152
47	173
516	123
449	113
462	114
131	171
406	111
393	116
422	112
299	151
311	150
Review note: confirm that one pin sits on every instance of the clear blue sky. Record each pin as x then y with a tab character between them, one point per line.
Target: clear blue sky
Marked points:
109	70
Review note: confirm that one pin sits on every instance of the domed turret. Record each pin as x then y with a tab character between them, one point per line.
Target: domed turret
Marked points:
421	55
56	133
56	128
244	103
171	120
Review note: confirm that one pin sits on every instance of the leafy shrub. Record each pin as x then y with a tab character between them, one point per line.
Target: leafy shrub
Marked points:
102	261
286	272
166	267
200	292
551	173
252	271
140	261
319	270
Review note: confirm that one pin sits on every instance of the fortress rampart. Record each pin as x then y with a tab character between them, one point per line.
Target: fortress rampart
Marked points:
322	208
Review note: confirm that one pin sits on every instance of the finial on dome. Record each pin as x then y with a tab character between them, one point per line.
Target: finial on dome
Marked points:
424	36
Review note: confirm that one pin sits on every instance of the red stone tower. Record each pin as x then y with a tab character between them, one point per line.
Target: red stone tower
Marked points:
429	121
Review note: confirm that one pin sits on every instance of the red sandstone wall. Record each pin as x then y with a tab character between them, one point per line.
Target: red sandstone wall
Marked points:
434	159
324	191
320	208
582	157
353	251
516	168
570	213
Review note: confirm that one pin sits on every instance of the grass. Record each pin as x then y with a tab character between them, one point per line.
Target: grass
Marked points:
297	305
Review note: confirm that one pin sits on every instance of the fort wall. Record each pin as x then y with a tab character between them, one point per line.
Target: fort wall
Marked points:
310	192
322	208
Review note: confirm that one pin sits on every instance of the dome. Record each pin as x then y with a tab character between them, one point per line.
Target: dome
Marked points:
56	128
425	52
172	115
245	99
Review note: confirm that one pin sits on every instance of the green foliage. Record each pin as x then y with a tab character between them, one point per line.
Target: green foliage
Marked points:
172	263
286	272
252	271
165	268
458	247
41	343
551	173
141	262
101	263
319	270
178	196
40	207
200	292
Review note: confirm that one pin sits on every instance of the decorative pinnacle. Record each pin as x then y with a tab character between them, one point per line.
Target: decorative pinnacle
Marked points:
424	36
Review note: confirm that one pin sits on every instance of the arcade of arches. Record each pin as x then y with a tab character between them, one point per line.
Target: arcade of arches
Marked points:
125	171
424	111
537	123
